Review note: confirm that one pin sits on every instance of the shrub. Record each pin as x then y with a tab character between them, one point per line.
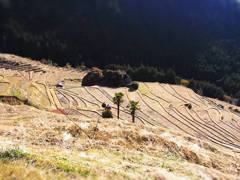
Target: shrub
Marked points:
113	78
236	110
68	66
230	83
48	62
189	106
81	67
184	82
107	114
220	106
133	86
227	98
104	105
12	154
145	73
207	89
170	76
140	73
178	80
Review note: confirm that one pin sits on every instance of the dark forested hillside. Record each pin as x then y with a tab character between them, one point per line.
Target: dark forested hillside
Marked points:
186	35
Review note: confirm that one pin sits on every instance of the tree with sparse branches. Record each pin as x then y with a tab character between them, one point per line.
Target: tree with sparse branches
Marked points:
118	100
133	106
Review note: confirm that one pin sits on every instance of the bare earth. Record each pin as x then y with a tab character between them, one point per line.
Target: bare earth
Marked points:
59	133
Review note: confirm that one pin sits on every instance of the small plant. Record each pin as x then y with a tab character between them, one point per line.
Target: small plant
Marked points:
48	62
118	100
236	111
220	106
81	67
17	94
184	82
133	86
189	106
68	66
133	106
107	113
104	105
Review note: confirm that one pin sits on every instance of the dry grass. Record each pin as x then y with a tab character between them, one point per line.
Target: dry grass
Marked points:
118	150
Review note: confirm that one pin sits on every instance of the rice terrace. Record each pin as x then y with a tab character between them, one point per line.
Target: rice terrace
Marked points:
52	126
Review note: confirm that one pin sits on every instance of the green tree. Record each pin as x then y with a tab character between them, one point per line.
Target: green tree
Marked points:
118	100
133	106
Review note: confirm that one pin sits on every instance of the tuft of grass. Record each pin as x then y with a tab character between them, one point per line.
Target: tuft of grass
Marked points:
173	156
13	154
16	93
63	164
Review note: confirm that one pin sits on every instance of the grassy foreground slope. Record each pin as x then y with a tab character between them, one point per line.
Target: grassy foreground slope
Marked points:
48	146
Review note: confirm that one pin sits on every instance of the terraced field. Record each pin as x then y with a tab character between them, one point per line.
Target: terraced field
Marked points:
161	105
49	132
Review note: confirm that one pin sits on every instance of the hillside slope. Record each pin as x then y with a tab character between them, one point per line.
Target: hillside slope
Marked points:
160	33
61	132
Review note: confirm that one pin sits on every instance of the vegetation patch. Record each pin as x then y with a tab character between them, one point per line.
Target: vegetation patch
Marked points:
133	86
107	113
11	100
108	78
13	154
17	94
49	162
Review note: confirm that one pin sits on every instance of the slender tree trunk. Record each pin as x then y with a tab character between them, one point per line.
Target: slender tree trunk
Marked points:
133	117
118	111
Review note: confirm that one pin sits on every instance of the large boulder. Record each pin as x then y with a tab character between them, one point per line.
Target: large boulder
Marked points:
108	78
94	77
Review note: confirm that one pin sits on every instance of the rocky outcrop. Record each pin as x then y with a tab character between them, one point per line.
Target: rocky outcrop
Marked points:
109	78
